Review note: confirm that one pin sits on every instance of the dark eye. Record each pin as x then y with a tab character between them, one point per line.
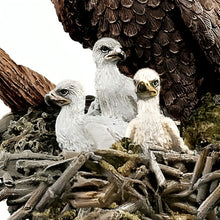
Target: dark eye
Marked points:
155	83
105	49
135	82
141	87
64	92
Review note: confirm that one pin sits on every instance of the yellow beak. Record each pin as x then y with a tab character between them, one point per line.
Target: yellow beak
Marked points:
146	87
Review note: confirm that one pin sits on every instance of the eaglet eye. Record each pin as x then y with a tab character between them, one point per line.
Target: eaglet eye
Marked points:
105	49
155	83
64	92
135	82
141	87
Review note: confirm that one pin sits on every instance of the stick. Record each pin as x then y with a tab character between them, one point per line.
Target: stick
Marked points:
203	189
156	169
27	154
58	187
199	167
8	180
30	204
207	178
170	171
172	157
209	203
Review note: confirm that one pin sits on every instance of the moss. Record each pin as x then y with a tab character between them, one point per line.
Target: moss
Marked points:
107	166
126	145
68	215
125	170
114	205
54	212
204	126
183	217
35	131
118	146
129	216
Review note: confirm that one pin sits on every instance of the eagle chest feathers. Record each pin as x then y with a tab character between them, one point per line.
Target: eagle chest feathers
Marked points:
115	93
69	131
148	127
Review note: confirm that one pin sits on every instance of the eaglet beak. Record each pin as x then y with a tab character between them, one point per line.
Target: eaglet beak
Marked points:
53	98
145	88
116	54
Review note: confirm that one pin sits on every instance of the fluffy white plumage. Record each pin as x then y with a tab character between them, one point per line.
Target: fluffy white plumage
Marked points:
115	92
151	127
76	131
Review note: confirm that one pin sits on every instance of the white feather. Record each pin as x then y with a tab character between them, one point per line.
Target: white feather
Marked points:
150	127
116	97
78	132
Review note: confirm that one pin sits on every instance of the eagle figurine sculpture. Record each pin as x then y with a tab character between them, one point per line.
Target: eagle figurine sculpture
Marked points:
115	95
180	39
151	128
77	131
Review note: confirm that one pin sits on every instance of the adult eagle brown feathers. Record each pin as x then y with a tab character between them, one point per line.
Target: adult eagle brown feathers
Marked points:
180	39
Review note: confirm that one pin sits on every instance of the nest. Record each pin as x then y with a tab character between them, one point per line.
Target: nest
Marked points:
41	182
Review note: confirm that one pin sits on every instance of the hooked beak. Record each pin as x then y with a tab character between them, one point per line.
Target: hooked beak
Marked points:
116	54
146	88
53	98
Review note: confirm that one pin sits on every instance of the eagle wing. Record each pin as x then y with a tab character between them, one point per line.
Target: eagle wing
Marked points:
202	17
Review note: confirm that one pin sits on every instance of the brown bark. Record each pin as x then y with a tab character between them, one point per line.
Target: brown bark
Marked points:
21	87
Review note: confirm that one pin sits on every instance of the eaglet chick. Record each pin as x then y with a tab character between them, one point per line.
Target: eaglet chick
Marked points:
116	97
76	131
150	127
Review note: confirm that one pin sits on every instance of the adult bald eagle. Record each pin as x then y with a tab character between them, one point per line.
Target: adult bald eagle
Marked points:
151	128
76	131
115	93
180	39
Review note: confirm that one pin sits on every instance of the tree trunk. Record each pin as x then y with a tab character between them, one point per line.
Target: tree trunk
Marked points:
21	87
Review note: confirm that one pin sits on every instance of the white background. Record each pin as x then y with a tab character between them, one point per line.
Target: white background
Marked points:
32	36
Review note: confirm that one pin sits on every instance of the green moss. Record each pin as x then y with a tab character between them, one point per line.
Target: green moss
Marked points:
204	126
128	216
125	170
54	212
127	146
118	146
107	166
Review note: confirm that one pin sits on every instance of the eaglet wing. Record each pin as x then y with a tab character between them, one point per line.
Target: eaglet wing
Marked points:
103	131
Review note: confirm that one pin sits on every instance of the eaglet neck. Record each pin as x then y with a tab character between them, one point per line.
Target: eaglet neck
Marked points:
70	112
106	74
149	108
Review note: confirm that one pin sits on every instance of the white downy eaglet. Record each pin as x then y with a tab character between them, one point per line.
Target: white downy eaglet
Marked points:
115	92
76	131
150	127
